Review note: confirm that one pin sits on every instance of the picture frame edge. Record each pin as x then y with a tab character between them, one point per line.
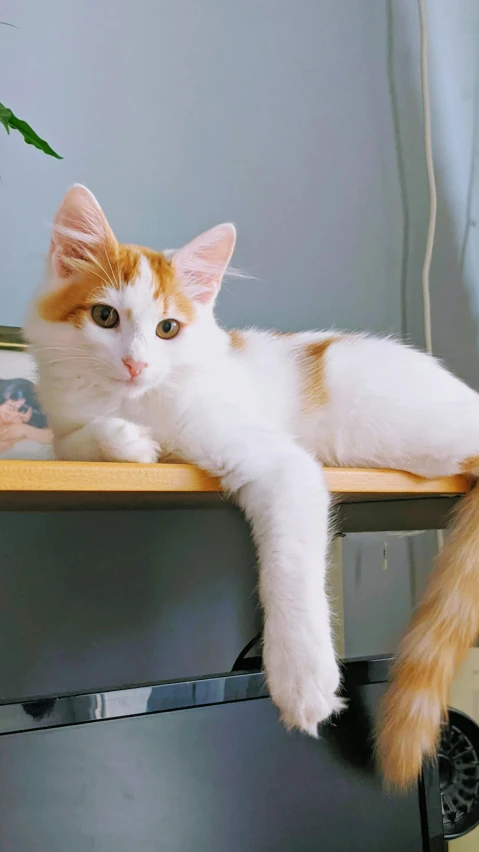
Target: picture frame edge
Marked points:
11	337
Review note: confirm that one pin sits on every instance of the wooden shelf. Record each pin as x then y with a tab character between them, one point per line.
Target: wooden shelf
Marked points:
103	477
55	484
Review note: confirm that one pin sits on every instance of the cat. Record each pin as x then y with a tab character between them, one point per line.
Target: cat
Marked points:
133	365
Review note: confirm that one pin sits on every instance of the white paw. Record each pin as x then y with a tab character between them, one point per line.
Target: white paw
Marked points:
303	685
122	441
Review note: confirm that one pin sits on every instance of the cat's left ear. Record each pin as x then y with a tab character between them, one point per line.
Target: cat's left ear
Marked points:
201	264
81	233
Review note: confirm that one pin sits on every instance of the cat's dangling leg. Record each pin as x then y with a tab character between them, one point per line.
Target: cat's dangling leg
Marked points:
284	495
444	627
288	509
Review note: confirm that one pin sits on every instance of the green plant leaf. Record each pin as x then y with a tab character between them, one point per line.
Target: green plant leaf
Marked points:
11	122
4	117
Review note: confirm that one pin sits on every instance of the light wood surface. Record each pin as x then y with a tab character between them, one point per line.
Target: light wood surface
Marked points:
56	476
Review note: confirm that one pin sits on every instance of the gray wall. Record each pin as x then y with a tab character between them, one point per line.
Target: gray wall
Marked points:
301	122
179	114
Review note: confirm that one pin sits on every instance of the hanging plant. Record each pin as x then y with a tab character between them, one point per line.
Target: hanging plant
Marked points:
11	122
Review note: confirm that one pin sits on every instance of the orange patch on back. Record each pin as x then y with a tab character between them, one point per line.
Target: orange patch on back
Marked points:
280	334
470	465
313	369
237	338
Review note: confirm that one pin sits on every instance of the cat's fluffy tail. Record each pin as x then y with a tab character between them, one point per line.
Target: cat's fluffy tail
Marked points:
442	631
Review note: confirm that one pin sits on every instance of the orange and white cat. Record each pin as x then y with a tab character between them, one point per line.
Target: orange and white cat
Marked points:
132	365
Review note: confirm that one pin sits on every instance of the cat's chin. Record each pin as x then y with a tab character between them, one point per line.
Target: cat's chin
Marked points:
132	387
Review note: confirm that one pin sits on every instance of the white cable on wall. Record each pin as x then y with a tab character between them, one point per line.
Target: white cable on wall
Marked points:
431	231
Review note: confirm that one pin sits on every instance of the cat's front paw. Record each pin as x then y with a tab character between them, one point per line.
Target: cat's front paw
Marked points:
303	685
122	441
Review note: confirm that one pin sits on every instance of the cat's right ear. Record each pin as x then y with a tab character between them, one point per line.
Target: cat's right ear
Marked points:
80	232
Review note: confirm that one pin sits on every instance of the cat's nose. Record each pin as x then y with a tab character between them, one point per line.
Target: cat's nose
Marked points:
134	367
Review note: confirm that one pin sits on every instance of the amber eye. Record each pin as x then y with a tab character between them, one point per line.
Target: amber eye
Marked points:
105	316
167	328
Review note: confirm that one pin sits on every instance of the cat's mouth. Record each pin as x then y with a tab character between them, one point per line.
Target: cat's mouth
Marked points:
131	384
128	380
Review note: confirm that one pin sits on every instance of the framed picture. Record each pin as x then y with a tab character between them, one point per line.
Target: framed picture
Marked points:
24	433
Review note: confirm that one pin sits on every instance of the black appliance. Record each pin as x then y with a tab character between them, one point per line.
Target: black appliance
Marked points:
203	765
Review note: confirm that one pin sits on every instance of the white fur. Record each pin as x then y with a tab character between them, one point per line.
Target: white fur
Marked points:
239	414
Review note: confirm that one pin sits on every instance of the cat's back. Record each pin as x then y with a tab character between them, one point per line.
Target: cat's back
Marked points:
283	371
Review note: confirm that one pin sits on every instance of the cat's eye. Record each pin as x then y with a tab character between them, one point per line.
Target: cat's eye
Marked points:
105	316
167	328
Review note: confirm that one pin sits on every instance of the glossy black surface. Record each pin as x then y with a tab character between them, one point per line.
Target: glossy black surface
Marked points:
58	711
208	768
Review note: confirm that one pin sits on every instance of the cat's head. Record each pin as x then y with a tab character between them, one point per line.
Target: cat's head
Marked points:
131	313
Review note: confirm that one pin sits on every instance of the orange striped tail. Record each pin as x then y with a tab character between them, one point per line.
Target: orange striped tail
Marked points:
443	629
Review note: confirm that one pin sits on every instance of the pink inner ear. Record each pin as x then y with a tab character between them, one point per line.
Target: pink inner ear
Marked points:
201	264
80	229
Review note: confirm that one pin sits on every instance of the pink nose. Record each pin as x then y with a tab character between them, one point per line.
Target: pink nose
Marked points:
134	367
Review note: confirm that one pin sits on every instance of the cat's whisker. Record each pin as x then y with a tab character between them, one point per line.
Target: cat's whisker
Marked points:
73	350
81	357
97	367
109	278
111	268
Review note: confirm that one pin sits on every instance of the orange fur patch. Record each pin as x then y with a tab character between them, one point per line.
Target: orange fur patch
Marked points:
70	302
168	287
117	267
280	334
444	627
237	338
313	368
470	465
127	263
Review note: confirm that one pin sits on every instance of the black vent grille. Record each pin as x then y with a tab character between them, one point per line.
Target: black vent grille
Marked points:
458	757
